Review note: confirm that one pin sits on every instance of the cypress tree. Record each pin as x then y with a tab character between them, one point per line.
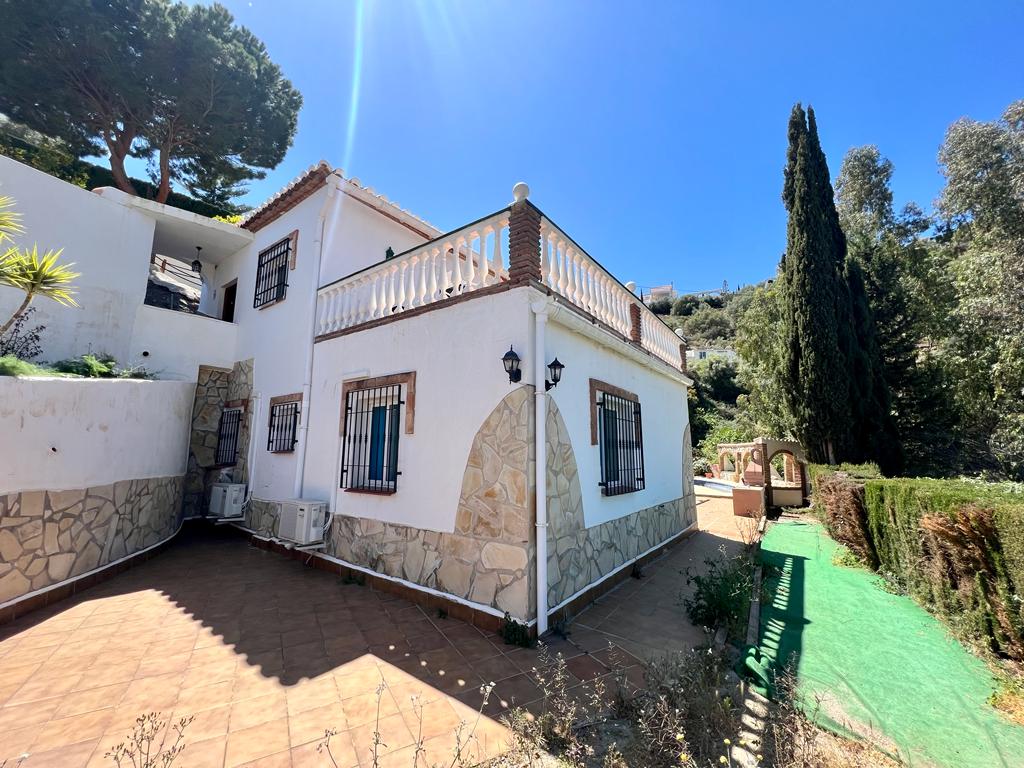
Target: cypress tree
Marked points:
817	314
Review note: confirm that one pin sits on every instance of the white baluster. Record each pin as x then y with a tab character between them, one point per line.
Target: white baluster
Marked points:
456	270
432	285
422	297
400	295
496	261
413	301
562	257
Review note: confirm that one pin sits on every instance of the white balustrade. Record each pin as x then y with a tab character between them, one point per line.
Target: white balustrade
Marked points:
571	272
449	266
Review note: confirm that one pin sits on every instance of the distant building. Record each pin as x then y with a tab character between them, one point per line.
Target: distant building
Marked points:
705	353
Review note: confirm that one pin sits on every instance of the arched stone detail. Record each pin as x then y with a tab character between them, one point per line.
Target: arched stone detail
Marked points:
579	556
490	558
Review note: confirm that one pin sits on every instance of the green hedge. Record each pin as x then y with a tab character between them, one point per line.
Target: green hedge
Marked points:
955	546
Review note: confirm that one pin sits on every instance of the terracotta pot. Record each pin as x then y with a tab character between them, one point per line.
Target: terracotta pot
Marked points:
709	474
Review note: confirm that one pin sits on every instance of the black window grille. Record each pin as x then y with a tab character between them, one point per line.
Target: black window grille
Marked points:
284	420
370	448
272	273
227	437
622	445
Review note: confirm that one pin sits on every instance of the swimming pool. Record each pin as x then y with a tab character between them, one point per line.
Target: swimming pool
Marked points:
715	484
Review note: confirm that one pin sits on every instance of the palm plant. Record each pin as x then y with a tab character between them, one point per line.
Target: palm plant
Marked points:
36	275
9	220
26	270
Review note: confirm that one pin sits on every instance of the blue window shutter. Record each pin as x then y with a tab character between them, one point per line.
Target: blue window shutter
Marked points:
393	445
378	437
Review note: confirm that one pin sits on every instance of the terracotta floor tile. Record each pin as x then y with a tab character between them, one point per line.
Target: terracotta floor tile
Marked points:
435	718
70	756
354	682
21	715
205	696
311	694
404	693
89	700
251	683
219	671
342	750
100	675
514	691
279	760
586	667
16	741
206	724
256	742
310	725
72	730
212	654
394	735
367	707
208	753
495	668
37	688
159	692
249	712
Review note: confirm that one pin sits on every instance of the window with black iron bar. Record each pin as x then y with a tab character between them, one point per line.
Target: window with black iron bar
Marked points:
284	421
227	437
620	437
272	273
370	447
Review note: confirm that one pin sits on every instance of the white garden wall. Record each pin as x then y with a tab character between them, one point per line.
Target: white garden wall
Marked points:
109	244
456	354
177	343
79	433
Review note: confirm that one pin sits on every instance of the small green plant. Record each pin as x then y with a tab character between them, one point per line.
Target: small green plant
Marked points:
13	366
515	633
354	577
721	594
442	612
844	558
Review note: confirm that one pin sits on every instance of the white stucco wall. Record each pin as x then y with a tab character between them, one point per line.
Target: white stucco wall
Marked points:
62	434
108	243
456	354
362	238
664	420
178	343
276	337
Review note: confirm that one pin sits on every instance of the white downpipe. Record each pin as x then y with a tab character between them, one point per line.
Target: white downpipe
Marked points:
256	412
333	196
540	311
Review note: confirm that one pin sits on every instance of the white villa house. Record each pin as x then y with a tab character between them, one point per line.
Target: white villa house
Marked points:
492	421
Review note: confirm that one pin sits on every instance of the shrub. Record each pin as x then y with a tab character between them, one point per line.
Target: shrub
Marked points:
955	546
721	594
99	367
12	366
21	340
721	431
701	466
661	306
515	633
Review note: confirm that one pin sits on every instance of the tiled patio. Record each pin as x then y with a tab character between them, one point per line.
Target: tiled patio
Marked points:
266	654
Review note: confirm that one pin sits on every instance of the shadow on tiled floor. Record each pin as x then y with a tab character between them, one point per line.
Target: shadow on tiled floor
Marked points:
267	655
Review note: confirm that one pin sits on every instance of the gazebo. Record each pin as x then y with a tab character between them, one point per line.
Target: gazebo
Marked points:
778	466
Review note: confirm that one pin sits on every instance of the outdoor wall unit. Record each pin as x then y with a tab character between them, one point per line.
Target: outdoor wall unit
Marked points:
226	500
302	521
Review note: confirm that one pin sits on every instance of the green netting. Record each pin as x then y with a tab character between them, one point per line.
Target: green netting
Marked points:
877	662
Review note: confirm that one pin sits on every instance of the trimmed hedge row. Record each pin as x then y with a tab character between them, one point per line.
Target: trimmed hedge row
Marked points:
955	546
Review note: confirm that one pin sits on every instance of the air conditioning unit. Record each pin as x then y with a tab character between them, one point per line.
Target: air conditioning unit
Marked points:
226	500
302	521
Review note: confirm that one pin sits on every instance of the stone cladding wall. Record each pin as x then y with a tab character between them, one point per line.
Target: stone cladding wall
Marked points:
47	537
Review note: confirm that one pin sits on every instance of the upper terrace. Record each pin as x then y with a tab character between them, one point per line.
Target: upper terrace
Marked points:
515	246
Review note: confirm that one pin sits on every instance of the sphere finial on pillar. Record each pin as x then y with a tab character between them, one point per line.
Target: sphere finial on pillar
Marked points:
520	191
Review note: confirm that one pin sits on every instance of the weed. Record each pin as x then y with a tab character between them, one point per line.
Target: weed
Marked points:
844	558
515	632
143	747
442	612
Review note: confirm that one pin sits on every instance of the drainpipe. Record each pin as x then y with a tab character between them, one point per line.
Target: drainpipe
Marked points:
540	311
332	202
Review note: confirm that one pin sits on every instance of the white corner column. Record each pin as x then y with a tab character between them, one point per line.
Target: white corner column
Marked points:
540	311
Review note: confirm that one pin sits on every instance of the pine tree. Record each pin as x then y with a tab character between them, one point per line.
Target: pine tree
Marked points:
817	316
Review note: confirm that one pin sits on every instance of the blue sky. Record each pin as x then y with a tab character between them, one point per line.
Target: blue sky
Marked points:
651	132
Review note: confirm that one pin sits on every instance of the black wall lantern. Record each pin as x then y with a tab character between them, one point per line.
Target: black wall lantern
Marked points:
555	369
197	265
511	362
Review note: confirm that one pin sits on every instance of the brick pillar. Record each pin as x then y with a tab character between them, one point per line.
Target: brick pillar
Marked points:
523	243
635	334
682	358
